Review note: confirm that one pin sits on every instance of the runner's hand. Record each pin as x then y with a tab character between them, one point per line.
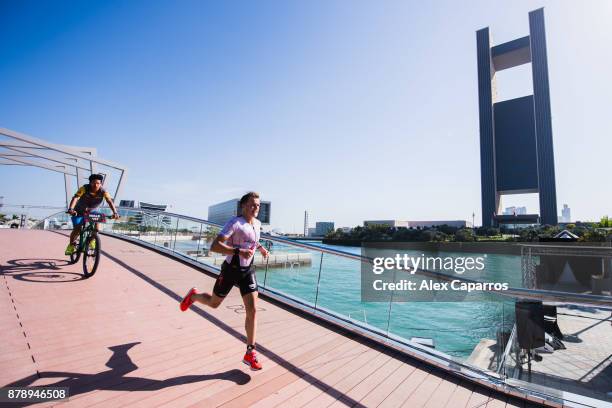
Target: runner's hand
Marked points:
246	252
71	212
115	216
264	251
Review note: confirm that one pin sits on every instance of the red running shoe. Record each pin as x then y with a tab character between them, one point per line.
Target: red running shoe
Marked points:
187	300
250	359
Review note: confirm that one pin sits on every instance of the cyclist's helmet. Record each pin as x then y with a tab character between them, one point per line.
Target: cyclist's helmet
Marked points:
96	177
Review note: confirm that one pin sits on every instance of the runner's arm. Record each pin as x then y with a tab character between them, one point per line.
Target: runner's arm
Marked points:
219	245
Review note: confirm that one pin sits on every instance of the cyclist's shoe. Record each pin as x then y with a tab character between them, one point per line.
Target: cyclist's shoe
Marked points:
250	359
70	249
187	300
92	244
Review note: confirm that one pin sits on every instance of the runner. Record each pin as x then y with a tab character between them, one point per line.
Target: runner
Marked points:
238	239
88	197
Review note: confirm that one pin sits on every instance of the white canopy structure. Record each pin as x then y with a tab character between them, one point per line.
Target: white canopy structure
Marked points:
76	163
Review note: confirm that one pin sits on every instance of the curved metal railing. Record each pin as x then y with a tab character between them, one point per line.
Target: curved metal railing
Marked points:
308	287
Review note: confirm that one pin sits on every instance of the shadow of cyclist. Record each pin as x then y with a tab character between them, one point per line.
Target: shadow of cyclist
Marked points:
39	270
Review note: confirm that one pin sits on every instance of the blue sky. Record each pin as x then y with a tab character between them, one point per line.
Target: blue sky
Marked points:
352	110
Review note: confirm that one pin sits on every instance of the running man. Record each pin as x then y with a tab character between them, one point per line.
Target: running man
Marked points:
238	239
88	197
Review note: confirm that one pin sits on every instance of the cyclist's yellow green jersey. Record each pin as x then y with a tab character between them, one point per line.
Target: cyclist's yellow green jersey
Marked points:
88	199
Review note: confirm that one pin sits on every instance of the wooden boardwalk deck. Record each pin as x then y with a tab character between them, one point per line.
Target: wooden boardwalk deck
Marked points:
119	339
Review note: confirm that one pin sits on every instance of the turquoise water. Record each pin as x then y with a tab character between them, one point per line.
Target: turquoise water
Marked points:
456	327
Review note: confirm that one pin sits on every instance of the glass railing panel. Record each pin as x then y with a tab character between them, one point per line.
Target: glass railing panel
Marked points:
207	235
149	226
188	237
165	231
128	224
339	291
567	344
59	221
471	331
464	325
289	269
575	359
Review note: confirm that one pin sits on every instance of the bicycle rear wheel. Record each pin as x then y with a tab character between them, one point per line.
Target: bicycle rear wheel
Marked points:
91	256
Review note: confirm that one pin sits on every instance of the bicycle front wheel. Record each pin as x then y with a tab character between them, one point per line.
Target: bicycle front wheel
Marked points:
91	255
75	256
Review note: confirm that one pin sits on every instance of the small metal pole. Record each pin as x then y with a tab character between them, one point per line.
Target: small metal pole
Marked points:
175	234
156	231
318	281
199	239
390	303
266	272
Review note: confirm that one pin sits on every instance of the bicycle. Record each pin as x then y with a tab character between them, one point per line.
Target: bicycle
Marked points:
89	243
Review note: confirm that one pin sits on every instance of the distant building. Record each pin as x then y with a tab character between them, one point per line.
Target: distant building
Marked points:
311	232
566	214
346	230
305	223
515	211
223	212
450	223
323	227
127	203
419	224
153	207
389	223
142	205
146	208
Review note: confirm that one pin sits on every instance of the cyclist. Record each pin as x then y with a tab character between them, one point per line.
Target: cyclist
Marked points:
88	197
238	239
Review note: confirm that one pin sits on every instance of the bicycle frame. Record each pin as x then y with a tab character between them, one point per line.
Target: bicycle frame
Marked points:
89	227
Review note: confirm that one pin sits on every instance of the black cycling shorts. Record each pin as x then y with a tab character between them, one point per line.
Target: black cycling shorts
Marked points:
232	274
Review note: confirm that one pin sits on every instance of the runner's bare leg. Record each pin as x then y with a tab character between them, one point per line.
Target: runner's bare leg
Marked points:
209	300
250	323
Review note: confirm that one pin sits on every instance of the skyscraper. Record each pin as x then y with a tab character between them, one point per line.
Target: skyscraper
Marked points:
566	214
516	146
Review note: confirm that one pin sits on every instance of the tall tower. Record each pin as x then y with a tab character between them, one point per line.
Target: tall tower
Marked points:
305	223
516	147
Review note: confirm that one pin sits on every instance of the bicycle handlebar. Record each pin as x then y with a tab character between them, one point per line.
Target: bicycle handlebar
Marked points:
73	213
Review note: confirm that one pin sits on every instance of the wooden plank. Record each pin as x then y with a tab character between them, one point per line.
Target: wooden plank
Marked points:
148	379
443	393
403	391
379	394
289	385
222	396
375	379
339	389
461	396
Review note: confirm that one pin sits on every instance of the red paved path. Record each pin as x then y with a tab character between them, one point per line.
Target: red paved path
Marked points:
118	339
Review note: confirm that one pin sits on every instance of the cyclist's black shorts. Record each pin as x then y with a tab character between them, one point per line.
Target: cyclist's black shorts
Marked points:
233	274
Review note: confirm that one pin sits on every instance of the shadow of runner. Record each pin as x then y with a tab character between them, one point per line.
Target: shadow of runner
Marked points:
116	379
238	335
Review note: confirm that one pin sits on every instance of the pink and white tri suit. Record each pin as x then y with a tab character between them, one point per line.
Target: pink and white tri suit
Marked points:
241	234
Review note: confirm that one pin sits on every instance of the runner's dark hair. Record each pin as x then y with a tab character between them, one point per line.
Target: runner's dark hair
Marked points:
245	198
